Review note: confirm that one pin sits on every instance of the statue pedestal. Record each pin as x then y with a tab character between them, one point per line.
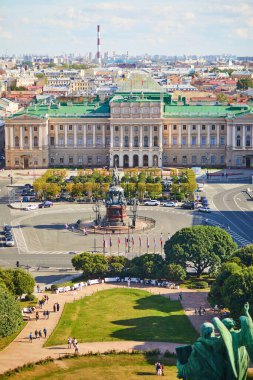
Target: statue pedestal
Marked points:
116	215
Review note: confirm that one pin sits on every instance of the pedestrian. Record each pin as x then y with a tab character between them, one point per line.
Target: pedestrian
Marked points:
47	298
162	369
36	333
38	288
69	342
48	312
40	334
58	306
76	349
54	307
74	341
158	368
31	337
66	226
196	311
45	332
37	316
44	314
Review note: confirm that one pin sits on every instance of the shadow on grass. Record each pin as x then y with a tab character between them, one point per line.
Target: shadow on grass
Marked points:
159	303
173	328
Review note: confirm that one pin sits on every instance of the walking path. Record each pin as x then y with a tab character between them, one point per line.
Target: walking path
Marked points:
20	351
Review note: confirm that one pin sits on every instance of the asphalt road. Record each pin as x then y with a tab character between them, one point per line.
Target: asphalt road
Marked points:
42	240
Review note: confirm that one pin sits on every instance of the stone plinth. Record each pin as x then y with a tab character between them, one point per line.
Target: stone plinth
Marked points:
116	215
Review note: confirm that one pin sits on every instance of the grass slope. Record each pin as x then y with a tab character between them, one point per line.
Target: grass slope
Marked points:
123	314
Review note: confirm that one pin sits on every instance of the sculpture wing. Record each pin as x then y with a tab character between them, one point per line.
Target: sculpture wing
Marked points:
247	335
227	339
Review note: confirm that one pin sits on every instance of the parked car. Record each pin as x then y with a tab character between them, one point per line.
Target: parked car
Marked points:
31	207
46	204
205	209
170	204
9	242
188	205
28	186
152	203
7	227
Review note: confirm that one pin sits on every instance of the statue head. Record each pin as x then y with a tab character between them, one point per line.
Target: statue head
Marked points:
207	330
229	323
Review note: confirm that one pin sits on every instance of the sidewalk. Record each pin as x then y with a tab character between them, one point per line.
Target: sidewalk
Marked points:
20	351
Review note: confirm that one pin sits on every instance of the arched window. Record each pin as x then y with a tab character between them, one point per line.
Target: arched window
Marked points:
155	140
16	141
126	141
136	141
25	140
35	141
145	141
145	160
238	140
247	141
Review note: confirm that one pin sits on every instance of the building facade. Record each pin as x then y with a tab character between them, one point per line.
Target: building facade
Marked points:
131	130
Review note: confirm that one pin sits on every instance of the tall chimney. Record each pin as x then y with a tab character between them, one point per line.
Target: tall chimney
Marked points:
98	45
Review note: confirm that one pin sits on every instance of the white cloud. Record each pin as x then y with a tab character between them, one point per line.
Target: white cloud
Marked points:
242	32
5	34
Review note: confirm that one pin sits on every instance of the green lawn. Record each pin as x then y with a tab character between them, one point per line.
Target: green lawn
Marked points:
102	367
123	314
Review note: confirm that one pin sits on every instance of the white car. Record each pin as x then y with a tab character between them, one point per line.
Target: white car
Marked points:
152	203
170	204
31	207
204	209
9	242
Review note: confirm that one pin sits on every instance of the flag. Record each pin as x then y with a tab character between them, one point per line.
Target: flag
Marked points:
119	241
110	241
161	240
140	240
147	242
126	241
132	239
154	242
104	242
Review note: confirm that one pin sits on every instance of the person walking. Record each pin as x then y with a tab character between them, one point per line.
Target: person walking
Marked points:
54	307
31	337
158	368
58	306
40	334
76	349
69	342
48	313
45	332
37	316
36	333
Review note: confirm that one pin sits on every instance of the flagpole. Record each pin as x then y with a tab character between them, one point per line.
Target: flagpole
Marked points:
110	245
118	244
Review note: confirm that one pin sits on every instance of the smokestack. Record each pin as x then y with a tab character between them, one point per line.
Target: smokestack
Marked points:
98	45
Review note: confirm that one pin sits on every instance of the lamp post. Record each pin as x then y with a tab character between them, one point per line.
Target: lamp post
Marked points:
97	209
133	209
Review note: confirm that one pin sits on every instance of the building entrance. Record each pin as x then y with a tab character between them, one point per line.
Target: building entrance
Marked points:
26	163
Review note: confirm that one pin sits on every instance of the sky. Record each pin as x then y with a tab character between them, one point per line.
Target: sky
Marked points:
169	27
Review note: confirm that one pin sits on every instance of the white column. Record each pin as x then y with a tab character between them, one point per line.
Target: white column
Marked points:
218	136
141	137
121	136
103	136
94	135
131	160
243	136
251	136
229	129
121	160
198	137
75	135
111	137
208	135
179	135
30	138
21	137
151	136
150	160
65	135
11	141
56	135
160	136
170	135
84	136
140	160
234	137
40	137
189	135
131	137
6	136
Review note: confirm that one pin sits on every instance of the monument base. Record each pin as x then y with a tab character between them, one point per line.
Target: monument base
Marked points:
115	215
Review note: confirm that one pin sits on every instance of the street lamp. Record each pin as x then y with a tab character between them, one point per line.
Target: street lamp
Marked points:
133	209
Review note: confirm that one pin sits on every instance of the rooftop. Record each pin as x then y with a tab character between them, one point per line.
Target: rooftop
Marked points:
206	110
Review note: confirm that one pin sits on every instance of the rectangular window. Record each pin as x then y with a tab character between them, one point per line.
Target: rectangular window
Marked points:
99	160
194	127
222	140
51	140
89	160
165	128
79	140
61	140
107	141
89	127
194	140
70	140
71	160
61	160
203	127
174	127
238	161
70	127
213	140
248	128
222	160
238	128
89	140
213	160
165	141
80	159
35	129
80	127
203	140
184	140
213	127
61	127
108	128
99	140
52	160
203	160
155	129
194	159
222	127
51	127
98	127
16	161
174	159
116	129
174	140
184	160
145	128
184	127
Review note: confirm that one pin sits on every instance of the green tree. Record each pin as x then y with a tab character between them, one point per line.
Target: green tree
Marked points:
175	273
10	314
245	255
23	282
244	83
149	266
199	248
117	265
92	265
222	98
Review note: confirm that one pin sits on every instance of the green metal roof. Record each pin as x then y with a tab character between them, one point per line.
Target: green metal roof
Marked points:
75	110
185	111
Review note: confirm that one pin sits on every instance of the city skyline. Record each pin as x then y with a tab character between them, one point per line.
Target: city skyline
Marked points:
161	27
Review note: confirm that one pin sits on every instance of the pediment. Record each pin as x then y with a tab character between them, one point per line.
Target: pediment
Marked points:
247	117
26	117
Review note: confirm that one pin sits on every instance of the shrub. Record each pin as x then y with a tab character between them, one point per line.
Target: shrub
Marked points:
30	297
201	285
54	287
10	314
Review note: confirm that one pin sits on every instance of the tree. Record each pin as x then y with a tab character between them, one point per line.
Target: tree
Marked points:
92	265
199	248
175	273
244	83
147	266
17	281
117	265
10	314
222	98
245	255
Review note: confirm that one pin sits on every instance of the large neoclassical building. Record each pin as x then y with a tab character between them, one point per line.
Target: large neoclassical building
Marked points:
140	127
